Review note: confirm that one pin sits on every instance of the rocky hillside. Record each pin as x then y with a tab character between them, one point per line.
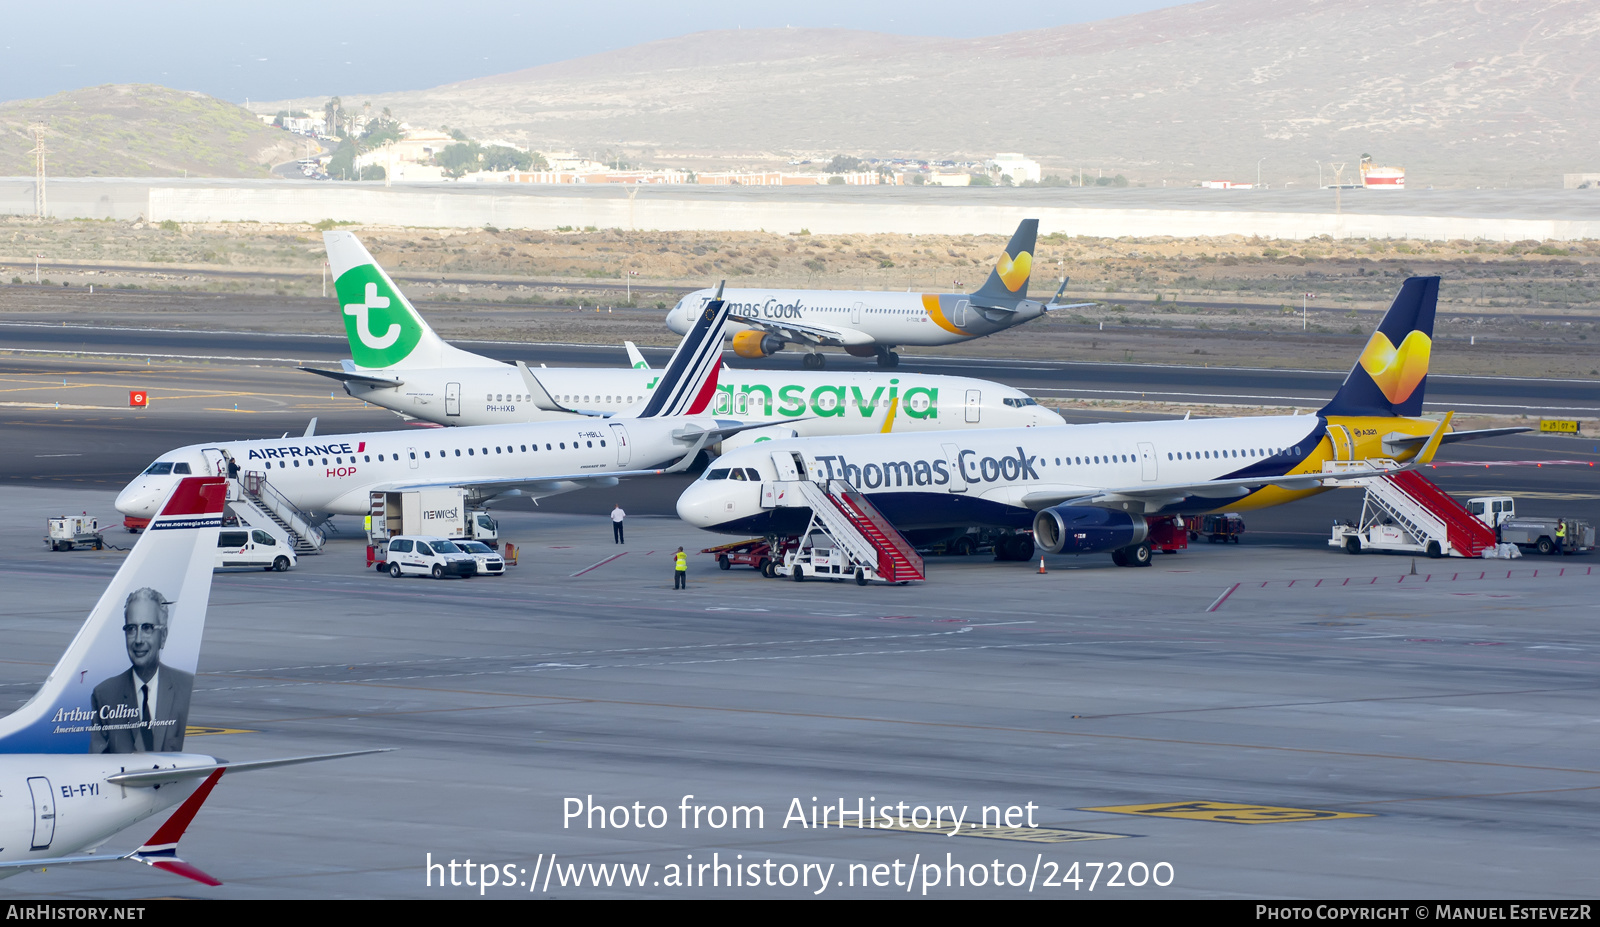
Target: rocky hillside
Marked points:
1460	92
140	130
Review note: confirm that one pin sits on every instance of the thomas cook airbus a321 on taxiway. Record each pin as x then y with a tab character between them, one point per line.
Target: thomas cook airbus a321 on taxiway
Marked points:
1094	488
99	747
336	474
870	323
399	363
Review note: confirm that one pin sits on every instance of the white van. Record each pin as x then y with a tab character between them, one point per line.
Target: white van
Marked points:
251	547
416	555
489	562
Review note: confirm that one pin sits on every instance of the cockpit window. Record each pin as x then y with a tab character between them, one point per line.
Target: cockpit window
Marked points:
721	473
160	468
180	468
737	474
1018	403
753	474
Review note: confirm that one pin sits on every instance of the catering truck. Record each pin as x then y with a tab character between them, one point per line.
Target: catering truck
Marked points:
441	513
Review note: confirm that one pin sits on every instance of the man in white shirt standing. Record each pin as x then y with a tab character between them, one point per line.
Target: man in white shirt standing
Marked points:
617	515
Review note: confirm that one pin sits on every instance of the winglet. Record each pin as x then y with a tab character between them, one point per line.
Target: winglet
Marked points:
1434	440
635	358
161	850
540	396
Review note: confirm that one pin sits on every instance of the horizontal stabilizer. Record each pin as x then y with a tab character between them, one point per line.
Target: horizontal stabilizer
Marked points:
363	378
151	777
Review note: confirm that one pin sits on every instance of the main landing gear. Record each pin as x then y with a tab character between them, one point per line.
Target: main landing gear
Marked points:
887	359
812	361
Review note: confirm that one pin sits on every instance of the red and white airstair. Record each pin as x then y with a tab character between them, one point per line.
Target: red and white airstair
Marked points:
874	549
1406	511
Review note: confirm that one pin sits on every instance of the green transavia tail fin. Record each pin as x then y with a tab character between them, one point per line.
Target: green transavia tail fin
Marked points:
1010	275
384	329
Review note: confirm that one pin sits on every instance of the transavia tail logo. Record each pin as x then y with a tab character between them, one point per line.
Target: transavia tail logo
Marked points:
1397	371
1014	271
381	330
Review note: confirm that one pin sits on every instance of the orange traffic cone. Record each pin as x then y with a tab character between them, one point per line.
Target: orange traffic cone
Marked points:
1041	566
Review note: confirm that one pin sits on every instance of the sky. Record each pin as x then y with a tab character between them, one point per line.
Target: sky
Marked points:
290	48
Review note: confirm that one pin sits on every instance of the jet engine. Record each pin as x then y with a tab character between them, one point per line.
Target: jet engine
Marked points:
861	350
753	343
1083	529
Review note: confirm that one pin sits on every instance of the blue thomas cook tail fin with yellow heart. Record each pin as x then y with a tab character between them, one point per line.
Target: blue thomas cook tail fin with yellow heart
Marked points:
1391	375
1009	279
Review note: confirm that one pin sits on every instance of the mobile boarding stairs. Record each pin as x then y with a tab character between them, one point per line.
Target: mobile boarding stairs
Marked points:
1404	511
256	503
847	537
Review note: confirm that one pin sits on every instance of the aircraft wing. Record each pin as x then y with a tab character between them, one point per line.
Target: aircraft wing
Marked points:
1157	496
805	332
1454	436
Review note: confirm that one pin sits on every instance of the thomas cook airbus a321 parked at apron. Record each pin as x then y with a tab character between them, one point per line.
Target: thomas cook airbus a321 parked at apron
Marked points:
336	474
870	323
399	363
1096	488
99	747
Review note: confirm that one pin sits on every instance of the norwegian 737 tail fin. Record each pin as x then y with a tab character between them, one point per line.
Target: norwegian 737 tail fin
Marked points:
123	685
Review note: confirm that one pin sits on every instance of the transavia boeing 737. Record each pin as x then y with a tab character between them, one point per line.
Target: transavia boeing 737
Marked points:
100	746
336	474
870	323
1093	488
399	363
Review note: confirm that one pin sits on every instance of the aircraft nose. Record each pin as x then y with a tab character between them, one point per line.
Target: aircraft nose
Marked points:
1043	416
702	506
139	499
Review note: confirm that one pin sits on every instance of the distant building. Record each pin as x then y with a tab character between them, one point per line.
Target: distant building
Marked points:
1580	181
1226	185
1382	178
1015	166
939	179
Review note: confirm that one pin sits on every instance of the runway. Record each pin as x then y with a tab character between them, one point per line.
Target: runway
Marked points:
1045	379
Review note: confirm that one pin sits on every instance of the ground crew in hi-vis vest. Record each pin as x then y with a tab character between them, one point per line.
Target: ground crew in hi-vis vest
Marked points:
1561	536
680	570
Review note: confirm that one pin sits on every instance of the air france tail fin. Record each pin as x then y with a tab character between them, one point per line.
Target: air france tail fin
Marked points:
145	631
1391	375
689	383
384	329
1009	279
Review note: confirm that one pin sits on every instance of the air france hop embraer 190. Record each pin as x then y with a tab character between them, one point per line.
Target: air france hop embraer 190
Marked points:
336	474
100	746
1092	488
399	363
870	323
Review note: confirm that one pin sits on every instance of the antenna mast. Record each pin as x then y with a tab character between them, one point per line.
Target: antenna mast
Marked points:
38	153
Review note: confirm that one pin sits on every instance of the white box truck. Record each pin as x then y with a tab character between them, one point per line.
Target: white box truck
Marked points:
441	513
